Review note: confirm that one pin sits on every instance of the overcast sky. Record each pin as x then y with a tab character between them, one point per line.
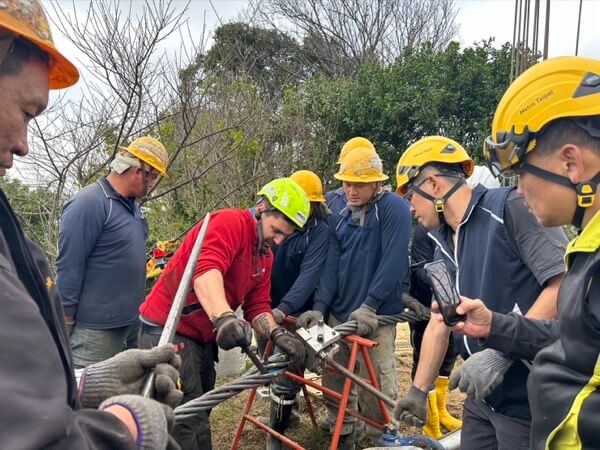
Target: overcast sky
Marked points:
478	19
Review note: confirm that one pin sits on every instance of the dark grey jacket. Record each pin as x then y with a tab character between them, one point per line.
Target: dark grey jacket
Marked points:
39	405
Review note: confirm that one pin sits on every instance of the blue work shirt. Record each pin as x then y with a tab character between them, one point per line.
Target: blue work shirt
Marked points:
367	263
336	200
101	265
298	265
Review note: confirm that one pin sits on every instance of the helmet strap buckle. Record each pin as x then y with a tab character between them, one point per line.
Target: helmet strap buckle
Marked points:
586	194
438	203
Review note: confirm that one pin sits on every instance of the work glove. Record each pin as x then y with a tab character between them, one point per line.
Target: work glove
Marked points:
480	374
412	408
232	332
308	319
420	310
126	373
366	320
279	316
291	346
153	420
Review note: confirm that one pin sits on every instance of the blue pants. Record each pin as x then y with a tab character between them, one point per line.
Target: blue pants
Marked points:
92	346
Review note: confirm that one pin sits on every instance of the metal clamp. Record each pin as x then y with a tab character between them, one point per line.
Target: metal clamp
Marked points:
320	342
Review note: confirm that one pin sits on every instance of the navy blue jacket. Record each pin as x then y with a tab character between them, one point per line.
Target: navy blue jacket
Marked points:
336	200
421	253
297	267
367	264
101	265
488	264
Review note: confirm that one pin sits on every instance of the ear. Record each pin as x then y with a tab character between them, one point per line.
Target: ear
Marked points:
260	207
571	161
437	185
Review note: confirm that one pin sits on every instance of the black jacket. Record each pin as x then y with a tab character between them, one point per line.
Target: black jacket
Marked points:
39	405
563	384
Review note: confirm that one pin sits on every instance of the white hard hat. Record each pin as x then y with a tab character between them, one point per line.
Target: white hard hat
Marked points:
482	175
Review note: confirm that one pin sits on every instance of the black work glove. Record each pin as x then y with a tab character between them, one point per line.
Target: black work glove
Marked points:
366	320
279	316
232	332
308	319
412	408
125	373
291	346
420	310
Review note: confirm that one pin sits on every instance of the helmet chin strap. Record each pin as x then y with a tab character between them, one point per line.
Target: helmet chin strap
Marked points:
144	177
440	203
586	190
262	251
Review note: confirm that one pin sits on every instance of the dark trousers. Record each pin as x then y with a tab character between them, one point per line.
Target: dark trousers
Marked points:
484	428
417	330
197	373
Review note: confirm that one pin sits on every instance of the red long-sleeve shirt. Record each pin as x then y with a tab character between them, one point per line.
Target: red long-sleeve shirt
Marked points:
231	247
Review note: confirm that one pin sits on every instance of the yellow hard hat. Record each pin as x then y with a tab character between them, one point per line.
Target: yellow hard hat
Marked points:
311	183
362	165
355	142
430	149
27	20
565	87
151	151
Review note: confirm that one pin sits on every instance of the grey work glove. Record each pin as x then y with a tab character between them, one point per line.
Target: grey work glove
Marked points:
232	332
279	316
366	320
291	346
153	420
480	374
420	310
126	373
412	408
309	319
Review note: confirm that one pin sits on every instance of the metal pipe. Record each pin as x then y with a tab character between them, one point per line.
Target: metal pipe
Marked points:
578	28
362	383
547	30
449	442
170	327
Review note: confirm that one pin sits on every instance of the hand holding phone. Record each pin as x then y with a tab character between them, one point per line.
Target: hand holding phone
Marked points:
444	292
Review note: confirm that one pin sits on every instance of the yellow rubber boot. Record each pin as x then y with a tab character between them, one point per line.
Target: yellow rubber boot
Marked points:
432	427
441	389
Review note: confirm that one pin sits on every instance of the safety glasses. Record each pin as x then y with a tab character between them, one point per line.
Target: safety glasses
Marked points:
504	154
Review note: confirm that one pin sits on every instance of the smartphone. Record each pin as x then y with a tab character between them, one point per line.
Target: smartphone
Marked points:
444	292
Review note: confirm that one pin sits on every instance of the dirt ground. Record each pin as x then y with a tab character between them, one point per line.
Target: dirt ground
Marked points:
225	417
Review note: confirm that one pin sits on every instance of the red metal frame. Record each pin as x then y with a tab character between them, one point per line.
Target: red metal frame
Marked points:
358	343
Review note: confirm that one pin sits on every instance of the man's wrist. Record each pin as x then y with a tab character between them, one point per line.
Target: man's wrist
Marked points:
126	417
216	316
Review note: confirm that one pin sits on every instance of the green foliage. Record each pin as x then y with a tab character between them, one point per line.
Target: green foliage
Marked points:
32	206
270	58
453	92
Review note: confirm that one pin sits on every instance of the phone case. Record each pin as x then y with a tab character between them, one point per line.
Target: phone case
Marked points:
444	292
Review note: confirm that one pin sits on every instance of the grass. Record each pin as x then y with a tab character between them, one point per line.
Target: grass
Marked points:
226	417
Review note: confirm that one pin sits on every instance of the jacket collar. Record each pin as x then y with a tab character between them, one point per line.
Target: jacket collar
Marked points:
477	194
588	241
110	193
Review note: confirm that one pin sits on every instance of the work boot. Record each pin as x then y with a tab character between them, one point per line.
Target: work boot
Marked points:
446	420
347	441
279	417
432	427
